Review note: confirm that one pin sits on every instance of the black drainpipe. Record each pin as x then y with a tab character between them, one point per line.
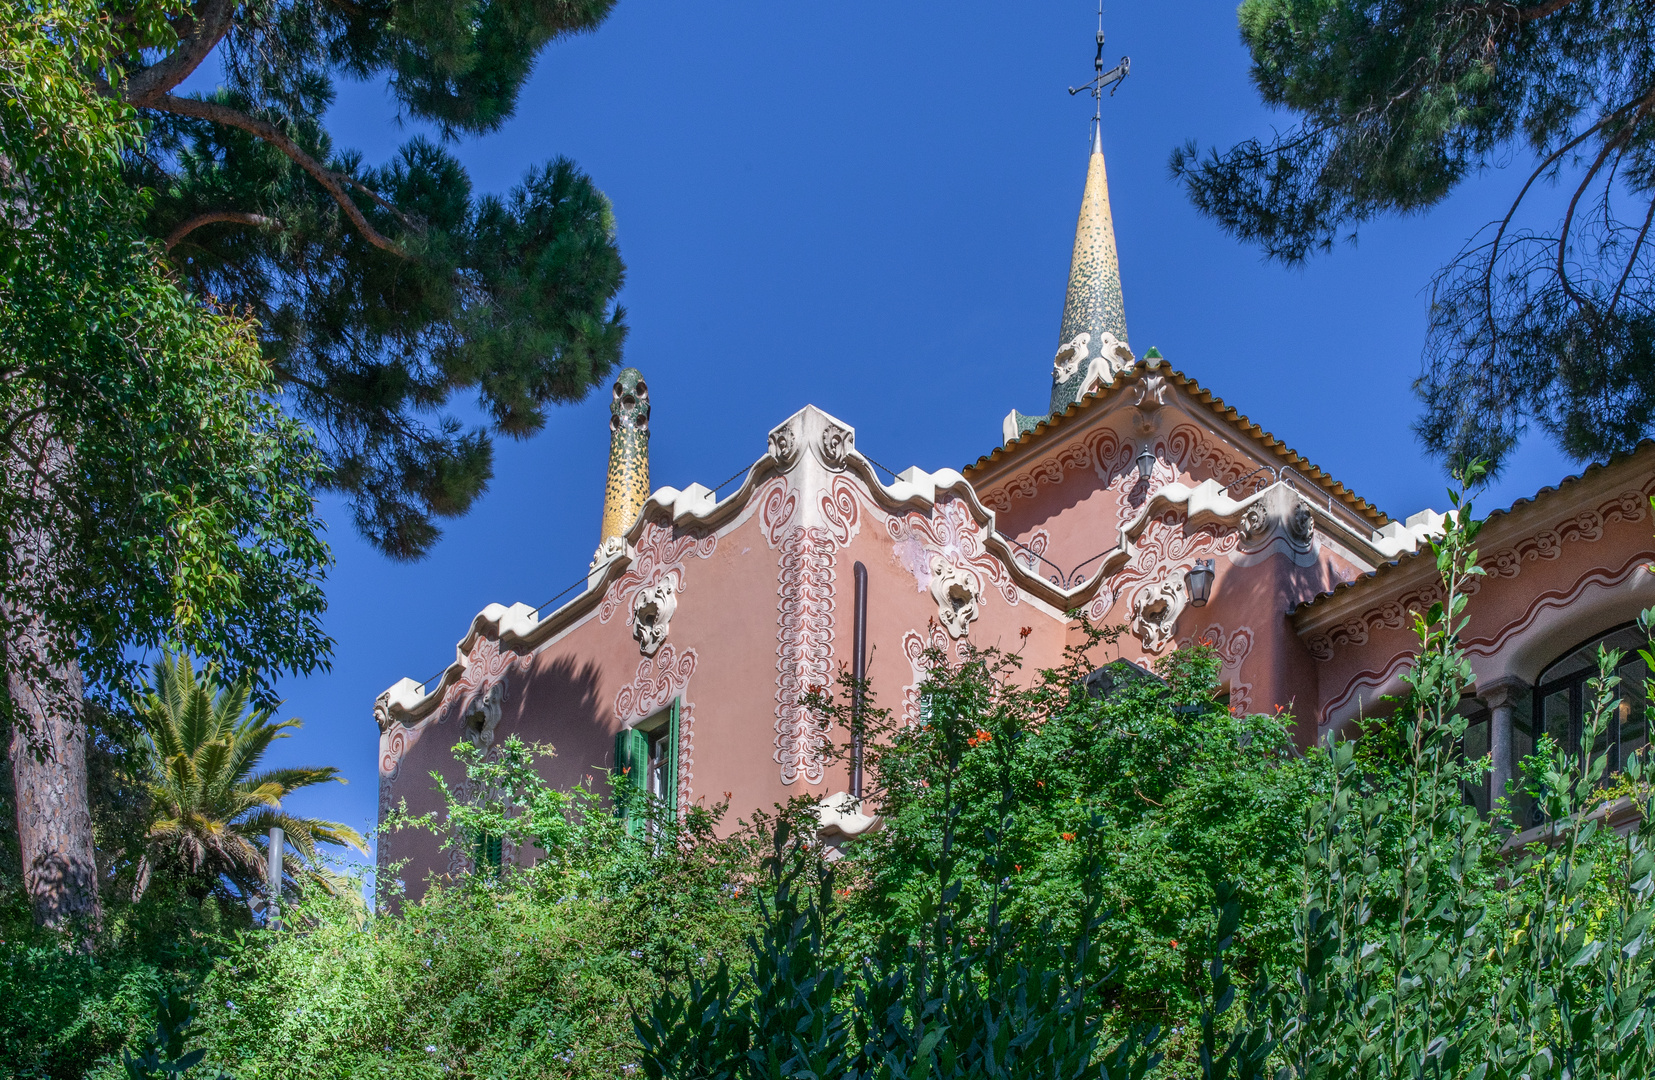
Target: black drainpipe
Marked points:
859	672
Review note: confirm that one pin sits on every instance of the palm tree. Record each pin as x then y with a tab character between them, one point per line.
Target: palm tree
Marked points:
211	813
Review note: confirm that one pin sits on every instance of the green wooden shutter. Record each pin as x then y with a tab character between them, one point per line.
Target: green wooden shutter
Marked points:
632	755
672	758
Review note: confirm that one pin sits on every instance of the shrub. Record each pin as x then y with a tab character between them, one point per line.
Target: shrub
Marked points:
516	972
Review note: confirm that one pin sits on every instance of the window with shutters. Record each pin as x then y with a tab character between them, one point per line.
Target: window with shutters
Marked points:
647	753
487	853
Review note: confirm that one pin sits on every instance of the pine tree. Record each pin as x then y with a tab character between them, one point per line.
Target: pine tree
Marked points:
382	291
1541	320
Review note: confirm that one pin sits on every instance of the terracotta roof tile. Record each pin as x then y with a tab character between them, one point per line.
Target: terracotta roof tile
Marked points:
1290	457
1543	495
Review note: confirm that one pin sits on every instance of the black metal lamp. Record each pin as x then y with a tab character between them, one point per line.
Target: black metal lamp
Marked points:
1146	462
1201	582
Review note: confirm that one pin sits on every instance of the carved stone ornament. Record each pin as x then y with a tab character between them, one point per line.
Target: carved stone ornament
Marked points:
1254	522
1155	610
1070	356
956	592
1149	397
784	444
837	444
611	547
652	611
484	716
1302	525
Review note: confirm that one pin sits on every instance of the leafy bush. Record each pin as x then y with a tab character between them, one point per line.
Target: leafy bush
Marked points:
516	972
1149	795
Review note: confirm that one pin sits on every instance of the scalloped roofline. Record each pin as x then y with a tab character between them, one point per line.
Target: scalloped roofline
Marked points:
1024	445
521	628
1544	495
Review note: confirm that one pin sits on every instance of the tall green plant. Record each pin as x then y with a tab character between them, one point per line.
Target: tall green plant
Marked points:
211	809
1424	949
966	998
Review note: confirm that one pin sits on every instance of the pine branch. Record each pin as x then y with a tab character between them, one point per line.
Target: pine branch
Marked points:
198	36
240	217
334	183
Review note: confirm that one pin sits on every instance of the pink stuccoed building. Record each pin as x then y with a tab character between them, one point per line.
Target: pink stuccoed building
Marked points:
1138	498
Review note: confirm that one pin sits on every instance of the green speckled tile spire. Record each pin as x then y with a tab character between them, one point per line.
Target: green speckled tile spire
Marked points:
628	487
1094	306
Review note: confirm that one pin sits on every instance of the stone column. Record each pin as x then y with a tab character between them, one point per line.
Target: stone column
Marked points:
1502	698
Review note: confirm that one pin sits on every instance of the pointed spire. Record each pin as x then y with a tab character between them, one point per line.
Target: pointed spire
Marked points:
628	487
1094	311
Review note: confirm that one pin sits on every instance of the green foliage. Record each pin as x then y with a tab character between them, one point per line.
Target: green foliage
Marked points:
70	1010
1148	794
968	999
524	971
145	458
381	293
1551	322
210	811
166	1051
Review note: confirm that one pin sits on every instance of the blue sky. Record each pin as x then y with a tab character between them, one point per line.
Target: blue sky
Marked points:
869	207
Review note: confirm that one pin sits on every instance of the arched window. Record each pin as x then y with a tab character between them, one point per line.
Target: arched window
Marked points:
1562	698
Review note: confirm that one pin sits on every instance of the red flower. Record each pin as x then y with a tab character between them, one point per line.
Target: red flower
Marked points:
1025	632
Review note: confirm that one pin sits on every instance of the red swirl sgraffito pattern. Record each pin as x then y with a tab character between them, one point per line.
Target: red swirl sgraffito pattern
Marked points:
660	554
804	649
952	532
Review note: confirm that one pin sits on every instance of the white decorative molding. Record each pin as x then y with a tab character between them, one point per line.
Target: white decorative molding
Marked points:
612	548
1232	652
652	609
784	443
648	589
658	680
1156	607
1070	355
483	716
956	592
836	444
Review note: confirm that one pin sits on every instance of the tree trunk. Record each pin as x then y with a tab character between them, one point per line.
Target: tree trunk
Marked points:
48	761
43	681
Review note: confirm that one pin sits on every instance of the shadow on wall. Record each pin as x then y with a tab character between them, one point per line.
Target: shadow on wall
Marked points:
559	705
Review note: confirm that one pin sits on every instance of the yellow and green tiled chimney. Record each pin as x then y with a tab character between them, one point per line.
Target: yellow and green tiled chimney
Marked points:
628	486
1092	340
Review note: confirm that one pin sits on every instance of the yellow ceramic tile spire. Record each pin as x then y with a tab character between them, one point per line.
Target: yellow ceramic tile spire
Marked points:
1094	311
628	486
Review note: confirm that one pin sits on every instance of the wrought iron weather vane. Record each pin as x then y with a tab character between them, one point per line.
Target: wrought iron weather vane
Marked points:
1101	78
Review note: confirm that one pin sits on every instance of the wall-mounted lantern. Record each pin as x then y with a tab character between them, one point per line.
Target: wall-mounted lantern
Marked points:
1146	463
1201	582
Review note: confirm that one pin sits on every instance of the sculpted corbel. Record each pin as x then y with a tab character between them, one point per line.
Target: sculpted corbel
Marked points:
1149	397
1254	523
784	444
652	611
1302	525
1155	610
484	716
836	444
956	593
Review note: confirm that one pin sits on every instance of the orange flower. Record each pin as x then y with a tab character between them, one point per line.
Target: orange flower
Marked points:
1174	944
982	736
1068	836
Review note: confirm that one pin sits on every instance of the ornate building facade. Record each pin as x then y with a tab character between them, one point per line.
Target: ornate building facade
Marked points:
1138	498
